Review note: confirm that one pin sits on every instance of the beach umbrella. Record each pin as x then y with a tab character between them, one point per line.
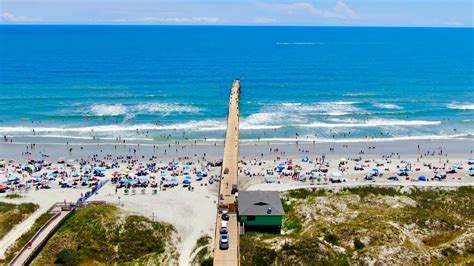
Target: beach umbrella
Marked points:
375	170
100	169
188	177
422	178
124	180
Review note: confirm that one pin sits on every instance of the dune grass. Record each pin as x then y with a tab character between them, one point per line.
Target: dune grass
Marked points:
23	240
13	214
103	235
428	226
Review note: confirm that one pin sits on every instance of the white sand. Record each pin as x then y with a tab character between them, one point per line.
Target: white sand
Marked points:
193	213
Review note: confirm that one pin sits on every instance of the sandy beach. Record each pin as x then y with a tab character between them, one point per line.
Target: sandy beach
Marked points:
190	208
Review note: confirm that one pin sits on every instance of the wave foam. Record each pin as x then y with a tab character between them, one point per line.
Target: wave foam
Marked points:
458	106
144	108
108	110
388	106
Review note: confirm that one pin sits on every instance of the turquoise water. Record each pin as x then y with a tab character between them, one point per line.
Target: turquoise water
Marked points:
318	83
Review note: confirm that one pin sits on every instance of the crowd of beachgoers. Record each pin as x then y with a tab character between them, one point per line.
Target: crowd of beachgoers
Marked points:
179	185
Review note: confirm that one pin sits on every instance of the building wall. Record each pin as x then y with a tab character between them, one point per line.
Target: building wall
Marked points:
262	220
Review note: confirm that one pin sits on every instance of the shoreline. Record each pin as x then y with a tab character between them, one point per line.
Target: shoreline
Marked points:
214	150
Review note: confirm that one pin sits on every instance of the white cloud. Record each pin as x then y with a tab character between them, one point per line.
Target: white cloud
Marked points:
11	18
171	20
340	10
263	20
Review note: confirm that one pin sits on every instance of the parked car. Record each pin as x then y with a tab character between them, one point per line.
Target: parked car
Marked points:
223	230
224	242
225	217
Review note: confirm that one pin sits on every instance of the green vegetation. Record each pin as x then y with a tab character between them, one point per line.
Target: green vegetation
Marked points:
13	196
12	214
102	235
417	226
202	251
23	240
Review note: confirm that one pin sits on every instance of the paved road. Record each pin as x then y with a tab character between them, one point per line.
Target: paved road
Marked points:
229	177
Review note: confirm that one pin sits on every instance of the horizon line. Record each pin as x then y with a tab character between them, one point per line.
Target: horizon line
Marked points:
237	25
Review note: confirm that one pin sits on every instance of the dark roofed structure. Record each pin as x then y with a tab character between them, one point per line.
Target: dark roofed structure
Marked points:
260	210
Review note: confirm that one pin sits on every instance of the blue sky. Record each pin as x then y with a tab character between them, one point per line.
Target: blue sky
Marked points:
445	13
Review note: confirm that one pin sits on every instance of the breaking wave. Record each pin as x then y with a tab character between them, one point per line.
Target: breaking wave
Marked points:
458	106
144	108
388	106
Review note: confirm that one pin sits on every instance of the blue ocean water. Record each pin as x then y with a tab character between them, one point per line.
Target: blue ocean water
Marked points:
160	82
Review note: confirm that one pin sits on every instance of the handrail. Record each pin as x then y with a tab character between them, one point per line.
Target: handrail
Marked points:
50	220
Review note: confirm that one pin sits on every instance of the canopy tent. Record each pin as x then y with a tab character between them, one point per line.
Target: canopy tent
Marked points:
336	174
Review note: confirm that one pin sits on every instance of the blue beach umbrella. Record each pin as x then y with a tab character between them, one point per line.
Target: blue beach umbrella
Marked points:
422	178
100	169
375	170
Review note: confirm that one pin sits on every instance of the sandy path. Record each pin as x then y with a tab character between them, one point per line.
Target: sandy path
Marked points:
45	199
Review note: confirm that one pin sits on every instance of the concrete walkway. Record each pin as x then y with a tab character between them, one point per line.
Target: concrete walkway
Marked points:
229	177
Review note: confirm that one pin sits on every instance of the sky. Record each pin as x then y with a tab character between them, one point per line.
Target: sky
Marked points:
410	13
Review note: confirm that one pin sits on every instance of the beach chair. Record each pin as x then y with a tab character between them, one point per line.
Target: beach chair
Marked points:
125	192
155	191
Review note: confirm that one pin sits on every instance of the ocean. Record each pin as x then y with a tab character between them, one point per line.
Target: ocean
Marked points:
167	83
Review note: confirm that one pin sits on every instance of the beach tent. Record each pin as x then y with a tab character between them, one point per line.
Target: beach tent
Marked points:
336	174
405	169
99	169
422	178
145	179
174	180
280	167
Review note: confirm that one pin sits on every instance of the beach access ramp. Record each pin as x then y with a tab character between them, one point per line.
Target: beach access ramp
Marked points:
229	180
60	212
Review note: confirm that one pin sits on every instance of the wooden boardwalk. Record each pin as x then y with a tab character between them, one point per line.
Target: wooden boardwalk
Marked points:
228	178
27	253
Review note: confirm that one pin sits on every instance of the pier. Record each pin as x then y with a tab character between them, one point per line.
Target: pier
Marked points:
229	184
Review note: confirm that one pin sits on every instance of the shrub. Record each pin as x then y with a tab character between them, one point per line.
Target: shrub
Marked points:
358	244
